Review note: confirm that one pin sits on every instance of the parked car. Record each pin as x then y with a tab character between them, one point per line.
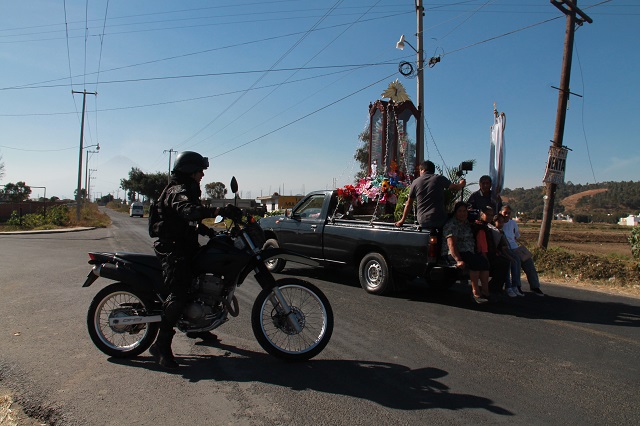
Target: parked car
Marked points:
136	209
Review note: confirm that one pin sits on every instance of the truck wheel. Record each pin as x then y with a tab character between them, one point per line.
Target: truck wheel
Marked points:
273	265
374	274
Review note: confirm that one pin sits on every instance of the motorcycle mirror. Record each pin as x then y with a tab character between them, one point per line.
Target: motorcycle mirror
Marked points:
234	185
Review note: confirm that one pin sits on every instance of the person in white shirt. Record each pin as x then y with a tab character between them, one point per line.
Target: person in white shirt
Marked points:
512	233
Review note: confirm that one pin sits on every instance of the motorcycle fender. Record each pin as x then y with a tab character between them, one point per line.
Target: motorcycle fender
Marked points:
91	278
287	255
116	273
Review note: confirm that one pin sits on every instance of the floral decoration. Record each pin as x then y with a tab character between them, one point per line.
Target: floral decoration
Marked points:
380	188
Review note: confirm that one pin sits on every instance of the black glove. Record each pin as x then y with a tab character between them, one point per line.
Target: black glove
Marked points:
230	211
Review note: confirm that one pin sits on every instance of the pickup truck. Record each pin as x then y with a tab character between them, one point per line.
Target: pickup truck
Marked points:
385	255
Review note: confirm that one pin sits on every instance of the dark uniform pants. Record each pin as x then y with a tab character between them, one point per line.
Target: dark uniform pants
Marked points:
177	271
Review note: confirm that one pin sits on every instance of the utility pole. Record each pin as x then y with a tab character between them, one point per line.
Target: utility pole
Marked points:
169	151
570	9
79	189
420	141
89	184
86	166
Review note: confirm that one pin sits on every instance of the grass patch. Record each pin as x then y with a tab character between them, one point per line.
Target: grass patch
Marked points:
90	215
58	217
608	270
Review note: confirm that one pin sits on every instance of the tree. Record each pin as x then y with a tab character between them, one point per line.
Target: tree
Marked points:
105	199
149	185
215	190
16	192
362	155
451	197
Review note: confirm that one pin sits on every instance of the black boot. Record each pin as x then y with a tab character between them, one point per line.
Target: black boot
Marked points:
161	349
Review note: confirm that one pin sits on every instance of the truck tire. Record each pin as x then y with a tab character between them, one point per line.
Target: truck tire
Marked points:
374	274
273	265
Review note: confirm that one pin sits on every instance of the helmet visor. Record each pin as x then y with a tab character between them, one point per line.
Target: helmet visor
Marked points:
205	162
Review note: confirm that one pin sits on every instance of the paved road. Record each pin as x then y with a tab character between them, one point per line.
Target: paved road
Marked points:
416	358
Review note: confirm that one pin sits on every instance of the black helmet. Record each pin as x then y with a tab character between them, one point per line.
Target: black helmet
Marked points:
189	162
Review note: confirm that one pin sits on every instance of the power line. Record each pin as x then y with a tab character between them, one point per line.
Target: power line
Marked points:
584	132
282	57
304	116
393	62
231	46
238	117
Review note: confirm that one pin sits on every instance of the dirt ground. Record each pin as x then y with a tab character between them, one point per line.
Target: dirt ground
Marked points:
605	240
583	238
11	413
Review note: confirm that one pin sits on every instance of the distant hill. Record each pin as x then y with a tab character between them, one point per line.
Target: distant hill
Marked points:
602	202
570	203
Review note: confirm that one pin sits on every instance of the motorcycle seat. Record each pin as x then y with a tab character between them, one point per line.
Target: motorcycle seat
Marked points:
141	258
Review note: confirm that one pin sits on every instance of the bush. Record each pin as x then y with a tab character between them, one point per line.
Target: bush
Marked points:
634	240
56	216
562	263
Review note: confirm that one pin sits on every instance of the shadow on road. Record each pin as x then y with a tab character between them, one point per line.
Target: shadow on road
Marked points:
550	307
391	385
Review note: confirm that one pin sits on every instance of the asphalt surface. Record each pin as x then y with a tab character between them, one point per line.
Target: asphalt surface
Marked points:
418	357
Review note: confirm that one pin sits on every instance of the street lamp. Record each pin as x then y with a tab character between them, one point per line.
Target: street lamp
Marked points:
420	79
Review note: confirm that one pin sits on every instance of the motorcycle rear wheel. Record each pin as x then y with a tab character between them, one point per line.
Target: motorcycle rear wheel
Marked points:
313	312
124	341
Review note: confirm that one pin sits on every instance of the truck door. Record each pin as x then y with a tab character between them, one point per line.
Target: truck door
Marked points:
302	231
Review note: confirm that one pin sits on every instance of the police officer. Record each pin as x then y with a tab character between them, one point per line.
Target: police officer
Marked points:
178	225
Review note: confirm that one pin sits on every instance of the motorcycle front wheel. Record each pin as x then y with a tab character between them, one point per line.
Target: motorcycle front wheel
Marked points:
120	341
311	310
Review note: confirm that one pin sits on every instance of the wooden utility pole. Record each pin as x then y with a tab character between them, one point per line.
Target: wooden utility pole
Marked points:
420	138
170	150
574	16
79	190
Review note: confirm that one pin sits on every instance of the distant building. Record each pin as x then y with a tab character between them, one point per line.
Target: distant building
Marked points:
279	202
564	217
249	205
631	220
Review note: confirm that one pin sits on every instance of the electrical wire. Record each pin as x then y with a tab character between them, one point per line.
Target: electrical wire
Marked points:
263	75
69	59
326	46
38	150
467	19
304	116
584	132
231	46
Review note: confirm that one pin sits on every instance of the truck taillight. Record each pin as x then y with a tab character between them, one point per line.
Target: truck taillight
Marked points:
432	253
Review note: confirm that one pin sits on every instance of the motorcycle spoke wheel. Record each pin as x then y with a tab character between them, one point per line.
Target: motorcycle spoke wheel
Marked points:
119	340
312	312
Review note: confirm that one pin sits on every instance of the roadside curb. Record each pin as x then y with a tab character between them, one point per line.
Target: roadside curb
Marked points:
50	231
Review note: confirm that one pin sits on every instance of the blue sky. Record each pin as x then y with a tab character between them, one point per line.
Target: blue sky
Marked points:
276	92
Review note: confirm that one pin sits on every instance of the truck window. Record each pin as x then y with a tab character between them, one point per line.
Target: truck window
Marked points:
311	208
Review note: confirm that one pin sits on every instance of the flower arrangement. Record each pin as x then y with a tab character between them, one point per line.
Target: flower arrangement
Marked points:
347	194
381	188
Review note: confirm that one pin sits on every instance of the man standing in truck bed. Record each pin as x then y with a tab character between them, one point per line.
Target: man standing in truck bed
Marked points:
428	190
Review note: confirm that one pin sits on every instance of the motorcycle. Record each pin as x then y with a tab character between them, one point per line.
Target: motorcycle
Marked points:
291	318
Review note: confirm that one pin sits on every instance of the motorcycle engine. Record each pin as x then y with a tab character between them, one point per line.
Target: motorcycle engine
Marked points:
209	290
